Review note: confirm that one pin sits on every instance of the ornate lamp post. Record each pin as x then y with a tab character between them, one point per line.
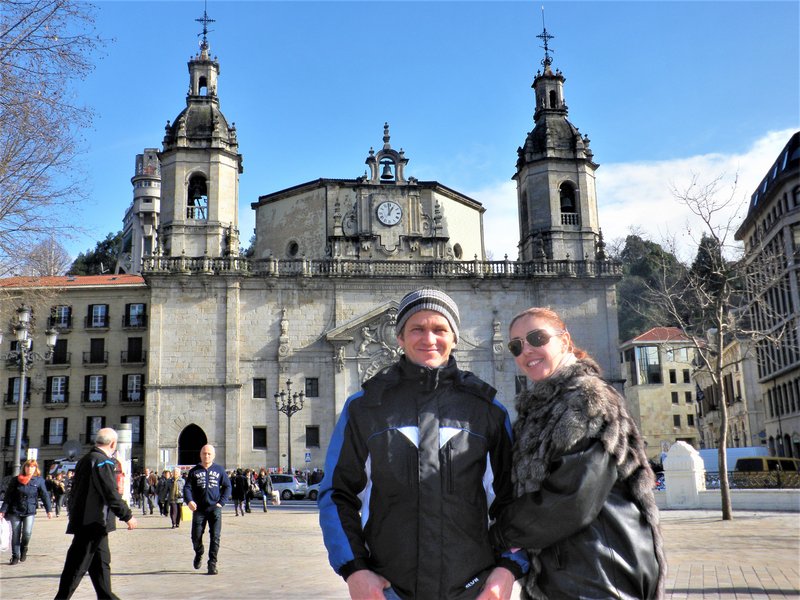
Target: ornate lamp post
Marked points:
289	404
24	357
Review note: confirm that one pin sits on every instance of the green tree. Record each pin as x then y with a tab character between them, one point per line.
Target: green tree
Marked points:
100	260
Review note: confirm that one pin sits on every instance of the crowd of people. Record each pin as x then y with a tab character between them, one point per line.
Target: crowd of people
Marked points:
429	491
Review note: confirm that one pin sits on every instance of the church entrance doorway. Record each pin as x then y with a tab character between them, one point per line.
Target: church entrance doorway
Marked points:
191	439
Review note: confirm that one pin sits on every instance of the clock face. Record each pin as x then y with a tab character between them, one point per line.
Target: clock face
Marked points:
389	213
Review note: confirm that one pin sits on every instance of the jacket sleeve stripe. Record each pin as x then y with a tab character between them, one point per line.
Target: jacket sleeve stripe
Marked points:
331	505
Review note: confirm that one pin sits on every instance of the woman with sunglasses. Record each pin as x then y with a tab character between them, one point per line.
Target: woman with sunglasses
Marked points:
585	508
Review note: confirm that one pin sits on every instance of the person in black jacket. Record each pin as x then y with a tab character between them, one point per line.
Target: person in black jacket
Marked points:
585	508
207	489
417	465
19	505
93	502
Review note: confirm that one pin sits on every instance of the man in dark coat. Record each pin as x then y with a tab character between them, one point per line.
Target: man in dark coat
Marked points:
93	502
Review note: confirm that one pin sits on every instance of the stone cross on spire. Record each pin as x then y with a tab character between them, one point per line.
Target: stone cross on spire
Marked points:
205	21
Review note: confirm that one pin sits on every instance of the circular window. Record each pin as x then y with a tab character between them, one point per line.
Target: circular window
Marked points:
292	249
458	251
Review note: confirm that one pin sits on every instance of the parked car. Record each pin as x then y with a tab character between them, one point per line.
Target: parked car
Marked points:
767	472
313	492
289	486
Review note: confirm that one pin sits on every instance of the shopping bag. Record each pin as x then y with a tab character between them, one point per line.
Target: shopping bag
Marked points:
186	513
276	498
5	535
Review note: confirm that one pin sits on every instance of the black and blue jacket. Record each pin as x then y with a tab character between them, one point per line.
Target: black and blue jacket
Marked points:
418	466
207	487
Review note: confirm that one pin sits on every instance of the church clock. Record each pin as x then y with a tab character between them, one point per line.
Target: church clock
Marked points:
389	213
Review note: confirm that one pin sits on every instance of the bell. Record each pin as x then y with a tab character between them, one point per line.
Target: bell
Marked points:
387	172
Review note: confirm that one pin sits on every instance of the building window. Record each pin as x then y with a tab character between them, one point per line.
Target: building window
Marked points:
61	317
197	199
60	354
95	388
132	387
98	315
259	438
97	354
135	422
567	197
649	364
57	389
135	353
55	431
674	397
690	420
12	397
676	420
93	425
134	315
687	376
11	431
312	387
673	376
259	387
688	397
312	436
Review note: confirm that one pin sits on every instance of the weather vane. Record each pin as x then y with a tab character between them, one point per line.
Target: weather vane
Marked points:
545	37
205	21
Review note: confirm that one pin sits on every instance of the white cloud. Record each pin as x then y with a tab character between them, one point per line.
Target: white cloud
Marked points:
637	196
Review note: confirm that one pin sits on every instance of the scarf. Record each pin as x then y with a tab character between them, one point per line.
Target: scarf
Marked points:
24	479
555	414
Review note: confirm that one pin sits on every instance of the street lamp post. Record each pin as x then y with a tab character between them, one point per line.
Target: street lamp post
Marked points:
289	404
24	356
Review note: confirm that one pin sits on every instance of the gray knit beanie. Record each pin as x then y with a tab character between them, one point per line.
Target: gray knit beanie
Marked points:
428	299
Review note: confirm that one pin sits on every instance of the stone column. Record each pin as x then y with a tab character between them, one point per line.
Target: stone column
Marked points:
684	476
124	447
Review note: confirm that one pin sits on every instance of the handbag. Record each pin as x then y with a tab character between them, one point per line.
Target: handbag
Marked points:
5	535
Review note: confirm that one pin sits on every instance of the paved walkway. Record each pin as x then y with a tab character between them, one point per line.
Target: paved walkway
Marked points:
280	556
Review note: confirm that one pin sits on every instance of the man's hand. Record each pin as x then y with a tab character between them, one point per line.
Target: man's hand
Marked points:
366	585
498	585
192	505
132	523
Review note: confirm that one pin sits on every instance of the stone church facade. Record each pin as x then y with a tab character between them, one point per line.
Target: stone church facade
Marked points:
316	302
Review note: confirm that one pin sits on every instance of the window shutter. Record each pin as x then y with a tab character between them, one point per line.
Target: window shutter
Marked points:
65	437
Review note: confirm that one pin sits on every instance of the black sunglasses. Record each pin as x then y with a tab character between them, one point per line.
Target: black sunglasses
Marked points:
536	338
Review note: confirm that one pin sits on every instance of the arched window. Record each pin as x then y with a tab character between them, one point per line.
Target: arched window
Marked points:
567	195
553	99
197	198
202	86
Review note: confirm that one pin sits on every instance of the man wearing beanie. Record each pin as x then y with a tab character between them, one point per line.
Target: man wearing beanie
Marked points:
417	466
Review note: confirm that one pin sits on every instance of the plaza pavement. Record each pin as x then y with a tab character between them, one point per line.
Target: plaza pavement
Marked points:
279	555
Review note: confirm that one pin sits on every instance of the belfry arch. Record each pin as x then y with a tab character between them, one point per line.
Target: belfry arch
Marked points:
191	439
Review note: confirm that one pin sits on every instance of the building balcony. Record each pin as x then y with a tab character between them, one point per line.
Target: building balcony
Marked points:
53	440
133	358
10	400
10	442
96	322
95	358
63	324
56	400
93	398
134	321
62	359
131	398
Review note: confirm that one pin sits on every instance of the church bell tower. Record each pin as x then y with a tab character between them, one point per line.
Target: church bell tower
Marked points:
200	168
556	178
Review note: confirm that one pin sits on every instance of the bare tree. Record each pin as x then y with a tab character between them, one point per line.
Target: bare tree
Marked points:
45	47
47	258
713	302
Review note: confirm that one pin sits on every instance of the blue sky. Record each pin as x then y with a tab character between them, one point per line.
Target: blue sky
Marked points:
663	89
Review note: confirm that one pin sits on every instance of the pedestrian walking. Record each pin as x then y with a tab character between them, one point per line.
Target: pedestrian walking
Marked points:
19	507
265	485
207	490
93	501
176	497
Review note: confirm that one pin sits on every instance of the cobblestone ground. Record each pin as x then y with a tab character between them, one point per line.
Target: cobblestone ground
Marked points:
279	555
